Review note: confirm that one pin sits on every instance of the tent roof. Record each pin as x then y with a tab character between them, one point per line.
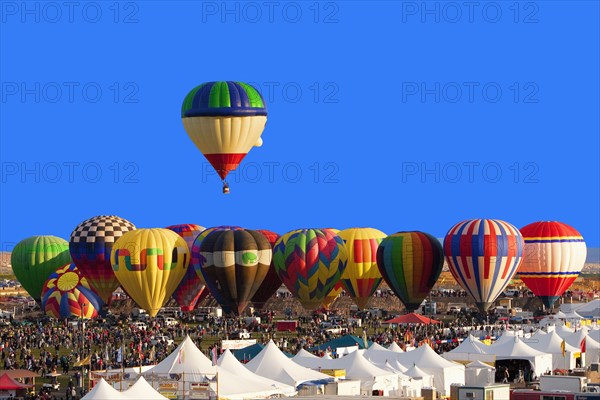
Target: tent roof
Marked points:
8	383
515	348
20	373
358	367
471	345
424	357
416	372
411	318
103	391
185	358
249	352
273	364
142	390
591	309
550	343
395	348
344	341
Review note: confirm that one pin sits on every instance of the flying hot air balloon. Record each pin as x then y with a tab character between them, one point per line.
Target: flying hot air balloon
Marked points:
361	277
483	256
555	254
310	262
224	120
67	293
90	246
150	264
271	282
35	258
192	287
234	263
410	263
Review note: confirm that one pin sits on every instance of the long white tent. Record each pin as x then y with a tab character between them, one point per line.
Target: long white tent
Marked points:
552	343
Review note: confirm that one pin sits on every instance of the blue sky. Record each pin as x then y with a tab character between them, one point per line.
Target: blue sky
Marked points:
394	115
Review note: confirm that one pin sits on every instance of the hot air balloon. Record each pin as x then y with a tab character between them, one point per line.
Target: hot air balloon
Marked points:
192	286
271	282
35	258
150	264
410	263
483	256
555	254
90	246
310	262
333	295
234	263
67	293
361	277
224	120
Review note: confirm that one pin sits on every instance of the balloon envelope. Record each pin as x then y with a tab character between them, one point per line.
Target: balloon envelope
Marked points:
483	256
224	120
271	282
361	277
555	254
333	295
234	263
191	287
310	262
67	293
35	258
150	264
410	263
90	246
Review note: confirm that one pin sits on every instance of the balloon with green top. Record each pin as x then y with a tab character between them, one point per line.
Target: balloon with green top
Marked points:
34	259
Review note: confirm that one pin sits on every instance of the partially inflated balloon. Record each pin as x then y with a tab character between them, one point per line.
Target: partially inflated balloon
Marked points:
554	256
271	282
67	293
224	120
483	256
410	263
310	262
361	277
90	246
333	295
192	286
35	258
150	264
234	263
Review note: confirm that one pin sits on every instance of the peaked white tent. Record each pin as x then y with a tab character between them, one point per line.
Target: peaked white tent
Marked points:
551	343
418	374
379	355
187	361
592	351
478	373
103	391
564	331
237	382
309	360
444	372
516	349
142	390
273	364
371	377
395	348
470	349
590	310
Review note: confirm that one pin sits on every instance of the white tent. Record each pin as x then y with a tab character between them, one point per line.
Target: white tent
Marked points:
416	373
371	377
590	310
515	349
309	360
378	354
551	343
470	349
273	364
592	351
237	382
563	331
444	372
142	390
103	391
187	361
478	373
395	348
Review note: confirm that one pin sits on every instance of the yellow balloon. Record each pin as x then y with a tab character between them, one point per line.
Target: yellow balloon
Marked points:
361	276
150	264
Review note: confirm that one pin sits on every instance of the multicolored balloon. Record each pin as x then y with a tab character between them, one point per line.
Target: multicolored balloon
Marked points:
361	277
333	295
90	246
224	120
310	262
67	293
150	264
271	282
555	254
192	287
410	263
35	258
234	263
483	256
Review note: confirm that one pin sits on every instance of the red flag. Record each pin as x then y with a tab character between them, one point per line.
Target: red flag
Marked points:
582	345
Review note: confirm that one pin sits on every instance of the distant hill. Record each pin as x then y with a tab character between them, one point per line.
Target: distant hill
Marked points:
593	255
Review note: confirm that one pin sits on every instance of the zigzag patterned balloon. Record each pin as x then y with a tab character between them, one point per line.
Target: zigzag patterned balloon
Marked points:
310	262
